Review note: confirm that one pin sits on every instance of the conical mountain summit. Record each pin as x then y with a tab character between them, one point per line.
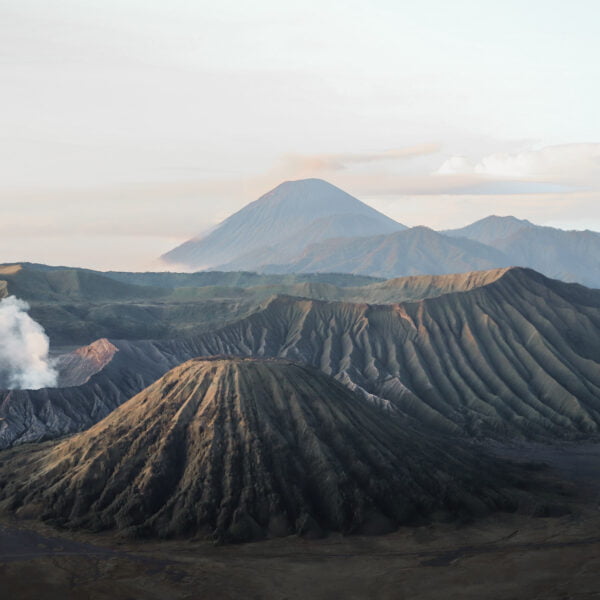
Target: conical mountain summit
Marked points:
238	449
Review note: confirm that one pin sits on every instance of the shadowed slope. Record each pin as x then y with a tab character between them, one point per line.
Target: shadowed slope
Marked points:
239	449
415	251
33	415
33	283
518	357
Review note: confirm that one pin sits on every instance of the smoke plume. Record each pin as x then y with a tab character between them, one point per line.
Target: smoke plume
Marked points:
24	362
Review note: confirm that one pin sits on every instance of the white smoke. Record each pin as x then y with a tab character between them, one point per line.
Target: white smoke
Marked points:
24	346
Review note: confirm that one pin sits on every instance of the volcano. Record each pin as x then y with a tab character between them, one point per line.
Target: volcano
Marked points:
238	449
279	225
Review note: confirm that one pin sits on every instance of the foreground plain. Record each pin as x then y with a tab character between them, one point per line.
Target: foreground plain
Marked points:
505	556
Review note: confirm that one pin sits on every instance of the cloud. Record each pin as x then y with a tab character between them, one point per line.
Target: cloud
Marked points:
306	164
577	164
126	226
24	362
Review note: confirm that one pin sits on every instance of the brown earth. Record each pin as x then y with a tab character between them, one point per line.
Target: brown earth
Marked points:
506	557
240	449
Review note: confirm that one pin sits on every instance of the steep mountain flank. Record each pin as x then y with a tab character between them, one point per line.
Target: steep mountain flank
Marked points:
242	449
98	379
415	251
518	356
285	219
326	228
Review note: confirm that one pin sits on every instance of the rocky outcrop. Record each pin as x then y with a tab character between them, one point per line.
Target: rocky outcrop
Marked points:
75	368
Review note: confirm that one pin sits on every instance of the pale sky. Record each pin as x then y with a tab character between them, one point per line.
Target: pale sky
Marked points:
128	126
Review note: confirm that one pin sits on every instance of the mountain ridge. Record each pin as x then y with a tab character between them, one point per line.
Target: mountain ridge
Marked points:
517	357
415	251
490	229
286	231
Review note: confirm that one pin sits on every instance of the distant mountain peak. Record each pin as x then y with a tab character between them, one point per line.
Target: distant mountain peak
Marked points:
503	219
421	229
491	228
290	215
308	180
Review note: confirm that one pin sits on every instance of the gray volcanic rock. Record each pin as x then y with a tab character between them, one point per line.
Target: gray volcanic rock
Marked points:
243	449
508	353
517	357
285	219
415	251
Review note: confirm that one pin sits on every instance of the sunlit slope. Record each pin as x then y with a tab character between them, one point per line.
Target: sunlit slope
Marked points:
240	449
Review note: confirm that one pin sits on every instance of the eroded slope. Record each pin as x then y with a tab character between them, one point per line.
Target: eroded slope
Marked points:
517	357
238	449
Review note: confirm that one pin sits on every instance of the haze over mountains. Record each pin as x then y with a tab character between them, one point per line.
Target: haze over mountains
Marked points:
566	255
279	225
414	251
311	226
